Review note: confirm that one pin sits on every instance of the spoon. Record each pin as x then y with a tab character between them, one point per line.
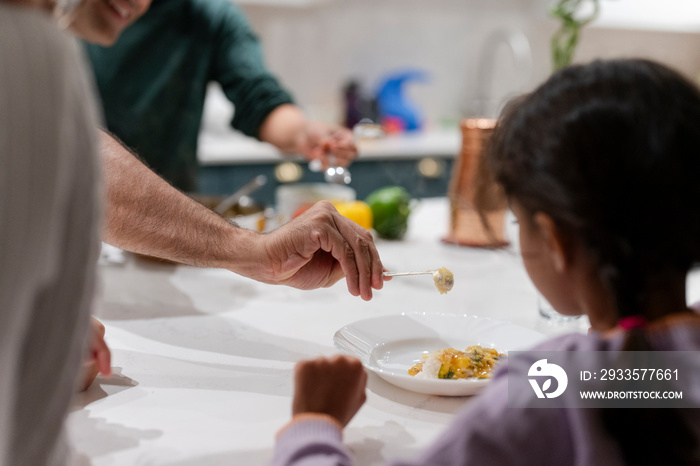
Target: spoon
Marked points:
365	129
443	278
246	190
332	174
335	173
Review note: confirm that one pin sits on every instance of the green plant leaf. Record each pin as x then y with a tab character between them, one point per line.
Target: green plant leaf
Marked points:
565	39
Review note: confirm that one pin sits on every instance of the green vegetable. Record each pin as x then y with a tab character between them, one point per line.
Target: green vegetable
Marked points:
390	210
566	38
445	372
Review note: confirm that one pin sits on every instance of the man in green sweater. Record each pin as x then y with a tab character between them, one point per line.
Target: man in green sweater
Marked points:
145	214
153	82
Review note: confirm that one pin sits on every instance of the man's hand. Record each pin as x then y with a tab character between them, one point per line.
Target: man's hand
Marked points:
99	357
332	145
287	128
334	386
317	249
147	215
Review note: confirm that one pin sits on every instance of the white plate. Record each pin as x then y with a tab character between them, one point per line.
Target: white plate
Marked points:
390	345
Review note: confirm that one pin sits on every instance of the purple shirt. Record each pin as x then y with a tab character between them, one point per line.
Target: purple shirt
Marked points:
488	432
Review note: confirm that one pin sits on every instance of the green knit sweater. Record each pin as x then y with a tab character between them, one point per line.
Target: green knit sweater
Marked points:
153	81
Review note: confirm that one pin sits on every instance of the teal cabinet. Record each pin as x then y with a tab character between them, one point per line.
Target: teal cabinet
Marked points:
418	178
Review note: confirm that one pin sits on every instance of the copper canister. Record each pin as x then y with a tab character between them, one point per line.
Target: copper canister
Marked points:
467	183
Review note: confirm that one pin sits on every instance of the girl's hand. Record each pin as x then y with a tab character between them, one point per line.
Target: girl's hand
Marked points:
333	386
99	356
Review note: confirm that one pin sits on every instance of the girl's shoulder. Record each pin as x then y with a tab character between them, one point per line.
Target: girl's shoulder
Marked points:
569	342
676	332
690	320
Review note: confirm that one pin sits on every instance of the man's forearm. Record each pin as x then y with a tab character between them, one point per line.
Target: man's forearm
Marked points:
287	128
144	214
283	127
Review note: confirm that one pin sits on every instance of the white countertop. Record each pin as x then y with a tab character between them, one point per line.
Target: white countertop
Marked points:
231	148
203	358
220	144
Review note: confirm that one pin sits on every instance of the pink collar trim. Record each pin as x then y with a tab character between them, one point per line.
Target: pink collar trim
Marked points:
630	322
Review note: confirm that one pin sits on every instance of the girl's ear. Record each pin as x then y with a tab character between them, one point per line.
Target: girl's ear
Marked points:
555	244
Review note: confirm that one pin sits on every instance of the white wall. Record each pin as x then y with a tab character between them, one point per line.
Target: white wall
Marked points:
315	49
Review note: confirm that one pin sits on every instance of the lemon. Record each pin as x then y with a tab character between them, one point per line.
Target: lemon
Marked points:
357	211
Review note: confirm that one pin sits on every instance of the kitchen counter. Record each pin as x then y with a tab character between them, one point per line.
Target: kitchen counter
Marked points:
230	148
229	160
203	359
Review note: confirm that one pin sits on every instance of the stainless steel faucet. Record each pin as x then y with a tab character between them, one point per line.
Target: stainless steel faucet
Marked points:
485	104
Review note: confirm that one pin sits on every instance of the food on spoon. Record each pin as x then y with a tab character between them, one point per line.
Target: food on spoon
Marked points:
475	362
444	280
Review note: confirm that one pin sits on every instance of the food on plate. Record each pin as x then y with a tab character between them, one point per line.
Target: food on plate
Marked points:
444	280
475	362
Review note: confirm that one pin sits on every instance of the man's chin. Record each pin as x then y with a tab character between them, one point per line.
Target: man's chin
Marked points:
106	41
103	38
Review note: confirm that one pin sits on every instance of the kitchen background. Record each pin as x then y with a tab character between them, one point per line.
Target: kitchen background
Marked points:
476	53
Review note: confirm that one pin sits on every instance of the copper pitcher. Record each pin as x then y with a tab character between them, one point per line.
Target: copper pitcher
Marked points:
467	184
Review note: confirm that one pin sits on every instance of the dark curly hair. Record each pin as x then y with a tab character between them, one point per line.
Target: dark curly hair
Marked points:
611	152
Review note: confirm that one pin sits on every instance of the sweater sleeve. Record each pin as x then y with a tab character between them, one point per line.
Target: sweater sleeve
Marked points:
486	431
311	440
49	234
239	67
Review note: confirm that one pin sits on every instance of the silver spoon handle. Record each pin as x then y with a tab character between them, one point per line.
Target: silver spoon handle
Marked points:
247	189
400	274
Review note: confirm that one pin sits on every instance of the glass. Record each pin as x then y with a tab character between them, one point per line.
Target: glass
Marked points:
548	312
